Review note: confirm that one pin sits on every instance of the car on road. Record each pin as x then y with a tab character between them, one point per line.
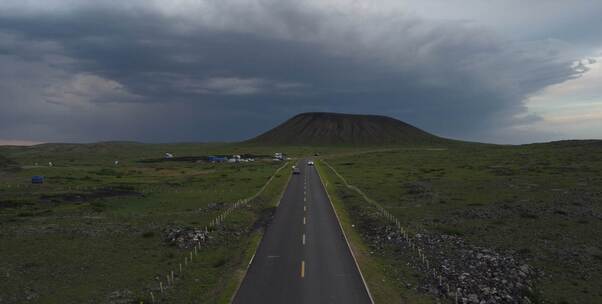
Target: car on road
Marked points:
296	171
310	163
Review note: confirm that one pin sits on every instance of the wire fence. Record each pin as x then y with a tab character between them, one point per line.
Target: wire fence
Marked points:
431	270
170	278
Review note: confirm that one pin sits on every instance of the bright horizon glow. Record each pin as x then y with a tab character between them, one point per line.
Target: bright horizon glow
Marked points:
16	142
572	109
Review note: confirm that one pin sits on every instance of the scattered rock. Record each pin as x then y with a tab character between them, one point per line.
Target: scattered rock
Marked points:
124	296
185	237
482	275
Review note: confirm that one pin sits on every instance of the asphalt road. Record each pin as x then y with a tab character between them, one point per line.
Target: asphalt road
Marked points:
303	257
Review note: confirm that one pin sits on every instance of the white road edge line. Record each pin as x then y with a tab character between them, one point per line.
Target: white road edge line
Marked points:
346	240
246	271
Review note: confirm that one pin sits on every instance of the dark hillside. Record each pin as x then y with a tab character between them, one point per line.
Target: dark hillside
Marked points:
7	164
344	129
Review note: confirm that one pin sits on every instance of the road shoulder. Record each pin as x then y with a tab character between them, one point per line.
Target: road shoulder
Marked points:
379	285
254	242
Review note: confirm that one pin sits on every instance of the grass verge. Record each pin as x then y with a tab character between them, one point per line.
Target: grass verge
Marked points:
253	243
376	269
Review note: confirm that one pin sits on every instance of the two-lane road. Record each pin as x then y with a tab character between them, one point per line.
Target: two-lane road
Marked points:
303	257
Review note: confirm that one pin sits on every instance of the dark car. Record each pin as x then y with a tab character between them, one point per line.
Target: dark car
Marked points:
296	171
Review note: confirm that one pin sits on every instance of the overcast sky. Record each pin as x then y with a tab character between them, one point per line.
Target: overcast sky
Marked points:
504	71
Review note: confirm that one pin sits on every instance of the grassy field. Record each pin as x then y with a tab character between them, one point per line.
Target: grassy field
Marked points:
95	232
541	203
380	271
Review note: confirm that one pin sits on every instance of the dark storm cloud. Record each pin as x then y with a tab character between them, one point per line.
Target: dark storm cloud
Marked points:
228	71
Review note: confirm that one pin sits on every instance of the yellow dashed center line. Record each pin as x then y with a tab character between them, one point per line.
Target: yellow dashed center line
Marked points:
302	269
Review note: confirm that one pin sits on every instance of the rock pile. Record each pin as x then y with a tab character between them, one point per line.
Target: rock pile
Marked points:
212	207
124	296
459	270
185	238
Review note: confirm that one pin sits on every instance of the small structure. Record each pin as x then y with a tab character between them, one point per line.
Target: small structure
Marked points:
50	164
116	163
278	156
37	179
216	159
168	155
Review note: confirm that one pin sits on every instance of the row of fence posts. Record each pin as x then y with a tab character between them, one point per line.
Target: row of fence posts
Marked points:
218	220
431	270
149	189
141	189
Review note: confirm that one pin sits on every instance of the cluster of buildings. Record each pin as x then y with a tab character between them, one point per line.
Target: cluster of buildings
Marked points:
238	159
231	159
280	156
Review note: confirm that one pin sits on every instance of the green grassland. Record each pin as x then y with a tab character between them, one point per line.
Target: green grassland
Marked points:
94	231
543	202
381	271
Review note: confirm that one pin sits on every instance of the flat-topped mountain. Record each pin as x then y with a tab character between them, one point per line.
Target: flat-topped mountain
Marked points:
319	128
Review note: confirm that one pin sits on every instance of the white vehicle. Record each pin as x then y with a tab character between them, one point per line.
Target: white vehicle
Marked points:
310	163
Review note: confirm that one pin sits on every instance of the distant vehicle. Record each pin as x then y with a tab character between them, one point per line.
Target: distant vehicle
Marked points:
296	171
294	166
310	163
37	179
216	159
